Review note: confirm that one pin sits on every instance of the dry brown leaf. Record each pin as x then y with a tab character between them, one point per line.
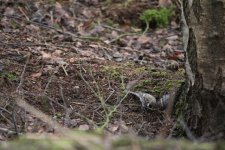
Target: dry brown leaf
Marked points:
46	55
9	11
114	128
72	60
144	39
164	3
53	58
57	53
36	75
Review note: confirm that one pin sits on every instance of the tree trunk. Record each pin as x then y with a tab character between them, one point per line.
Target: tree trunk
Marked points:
204	43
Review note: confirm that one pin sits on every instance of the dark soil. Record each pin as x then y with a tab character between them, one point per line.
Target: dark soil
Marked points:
64	54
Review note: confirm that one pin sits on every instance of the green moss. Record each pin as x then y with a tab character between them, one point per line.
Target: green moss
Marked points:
158	83
159	16
113	72
15	24
46	144
123	142
180	105
171	83
166	87
79	140
10	76
140	70
142	85
181	72
179	109
127	3
158	90
52	1
109	22
129	64
159	74
107	2
56	26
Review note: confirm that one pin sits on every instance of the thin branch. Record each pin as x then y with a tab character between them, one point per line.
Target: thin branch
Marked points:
7	131
62	96
9	121
112	28
43	95
22	74
14	120
186	129
109	115
122	35
45	90
147	28
22	44
48	83
89	86
62	106
53	28
3	109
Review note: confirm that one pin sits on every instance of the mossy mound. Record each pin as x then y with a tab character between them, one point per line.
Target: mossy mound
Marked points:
100	142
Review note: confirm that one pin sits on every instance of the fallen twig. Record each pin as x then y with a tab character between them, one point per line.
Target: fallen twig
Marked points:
7	131
62	106
53	28
122	35
18	89
14	120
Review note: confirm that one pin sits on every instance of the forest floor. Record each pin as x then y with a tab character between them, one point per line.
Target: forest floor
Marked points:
75	61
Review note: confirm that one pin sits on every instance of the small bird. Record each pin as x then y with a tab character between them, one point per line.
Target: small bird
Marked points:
163	102
145	98
149	101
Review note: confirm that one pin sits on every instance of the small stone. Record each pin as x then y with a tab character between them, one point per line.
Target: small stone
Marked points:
117	55
84	127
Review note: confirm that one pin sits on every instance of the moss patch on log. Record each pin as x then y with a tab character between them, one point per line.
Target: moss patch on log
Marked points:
100	142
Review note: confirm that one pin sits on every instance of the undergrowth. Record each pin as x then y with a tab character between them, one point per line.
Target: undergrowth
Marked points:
159	17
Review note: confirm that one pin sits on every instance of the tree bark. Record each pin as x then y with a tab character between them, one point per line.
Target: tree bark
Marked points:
204	42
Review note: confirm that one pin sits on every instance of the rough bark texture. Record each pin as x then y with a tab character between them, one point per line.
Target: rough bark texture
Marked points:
205	67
